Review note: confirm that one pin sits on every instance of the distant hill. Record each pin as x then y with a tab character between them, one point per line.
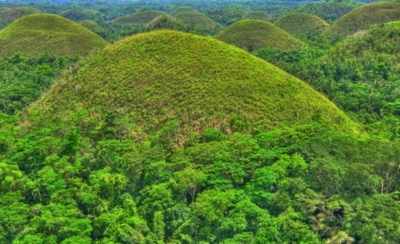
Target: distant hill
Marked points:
327	10
195	21
47	33
152	79
79	14
364	17
256	34
9	14
138	18
165	22
303	26
259	15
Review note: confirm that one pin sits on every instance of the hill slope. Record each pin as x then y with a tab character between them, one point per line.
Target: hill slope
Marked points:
47	33
363	17
256	34
303	26
198	82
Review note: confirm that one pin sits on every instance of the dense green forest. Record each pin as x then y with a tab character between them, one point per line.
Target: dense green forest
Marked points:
189	121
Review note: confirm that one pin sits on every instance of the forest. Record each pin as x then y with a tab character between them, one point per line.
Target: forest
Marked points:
190	121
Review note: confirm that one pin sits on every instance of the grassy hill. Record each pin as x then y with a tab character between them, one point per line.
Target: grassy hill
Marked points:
196	21
383	39
327	10
165	22
9	14
79	14
93	26
47	33
151	79
256	34
364	17
138	18
303	26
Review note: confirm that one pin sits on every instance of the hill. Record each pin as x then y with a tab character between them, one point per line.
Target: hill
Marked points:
260	15
165	22
138	18
155	78
364	17
303	26
9	14
382	39
195	21
47	33
80	14
256	34
327	10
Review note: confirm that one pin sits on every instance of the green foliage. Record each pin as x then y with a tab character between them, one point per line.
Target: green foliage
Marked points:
267	187
23	80
47	34
252	35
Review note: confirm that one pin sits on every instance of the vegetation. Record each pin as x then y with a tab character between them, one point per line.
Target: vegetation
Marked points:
171	137
303	26
256	34
9	14
22	79
364	17
306	184
47	34
197	22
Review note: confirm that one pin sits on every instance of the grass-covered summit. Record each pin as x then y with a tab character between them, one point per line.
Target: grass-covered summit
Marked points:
363	17
303	26
47	33
153	79
253	34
